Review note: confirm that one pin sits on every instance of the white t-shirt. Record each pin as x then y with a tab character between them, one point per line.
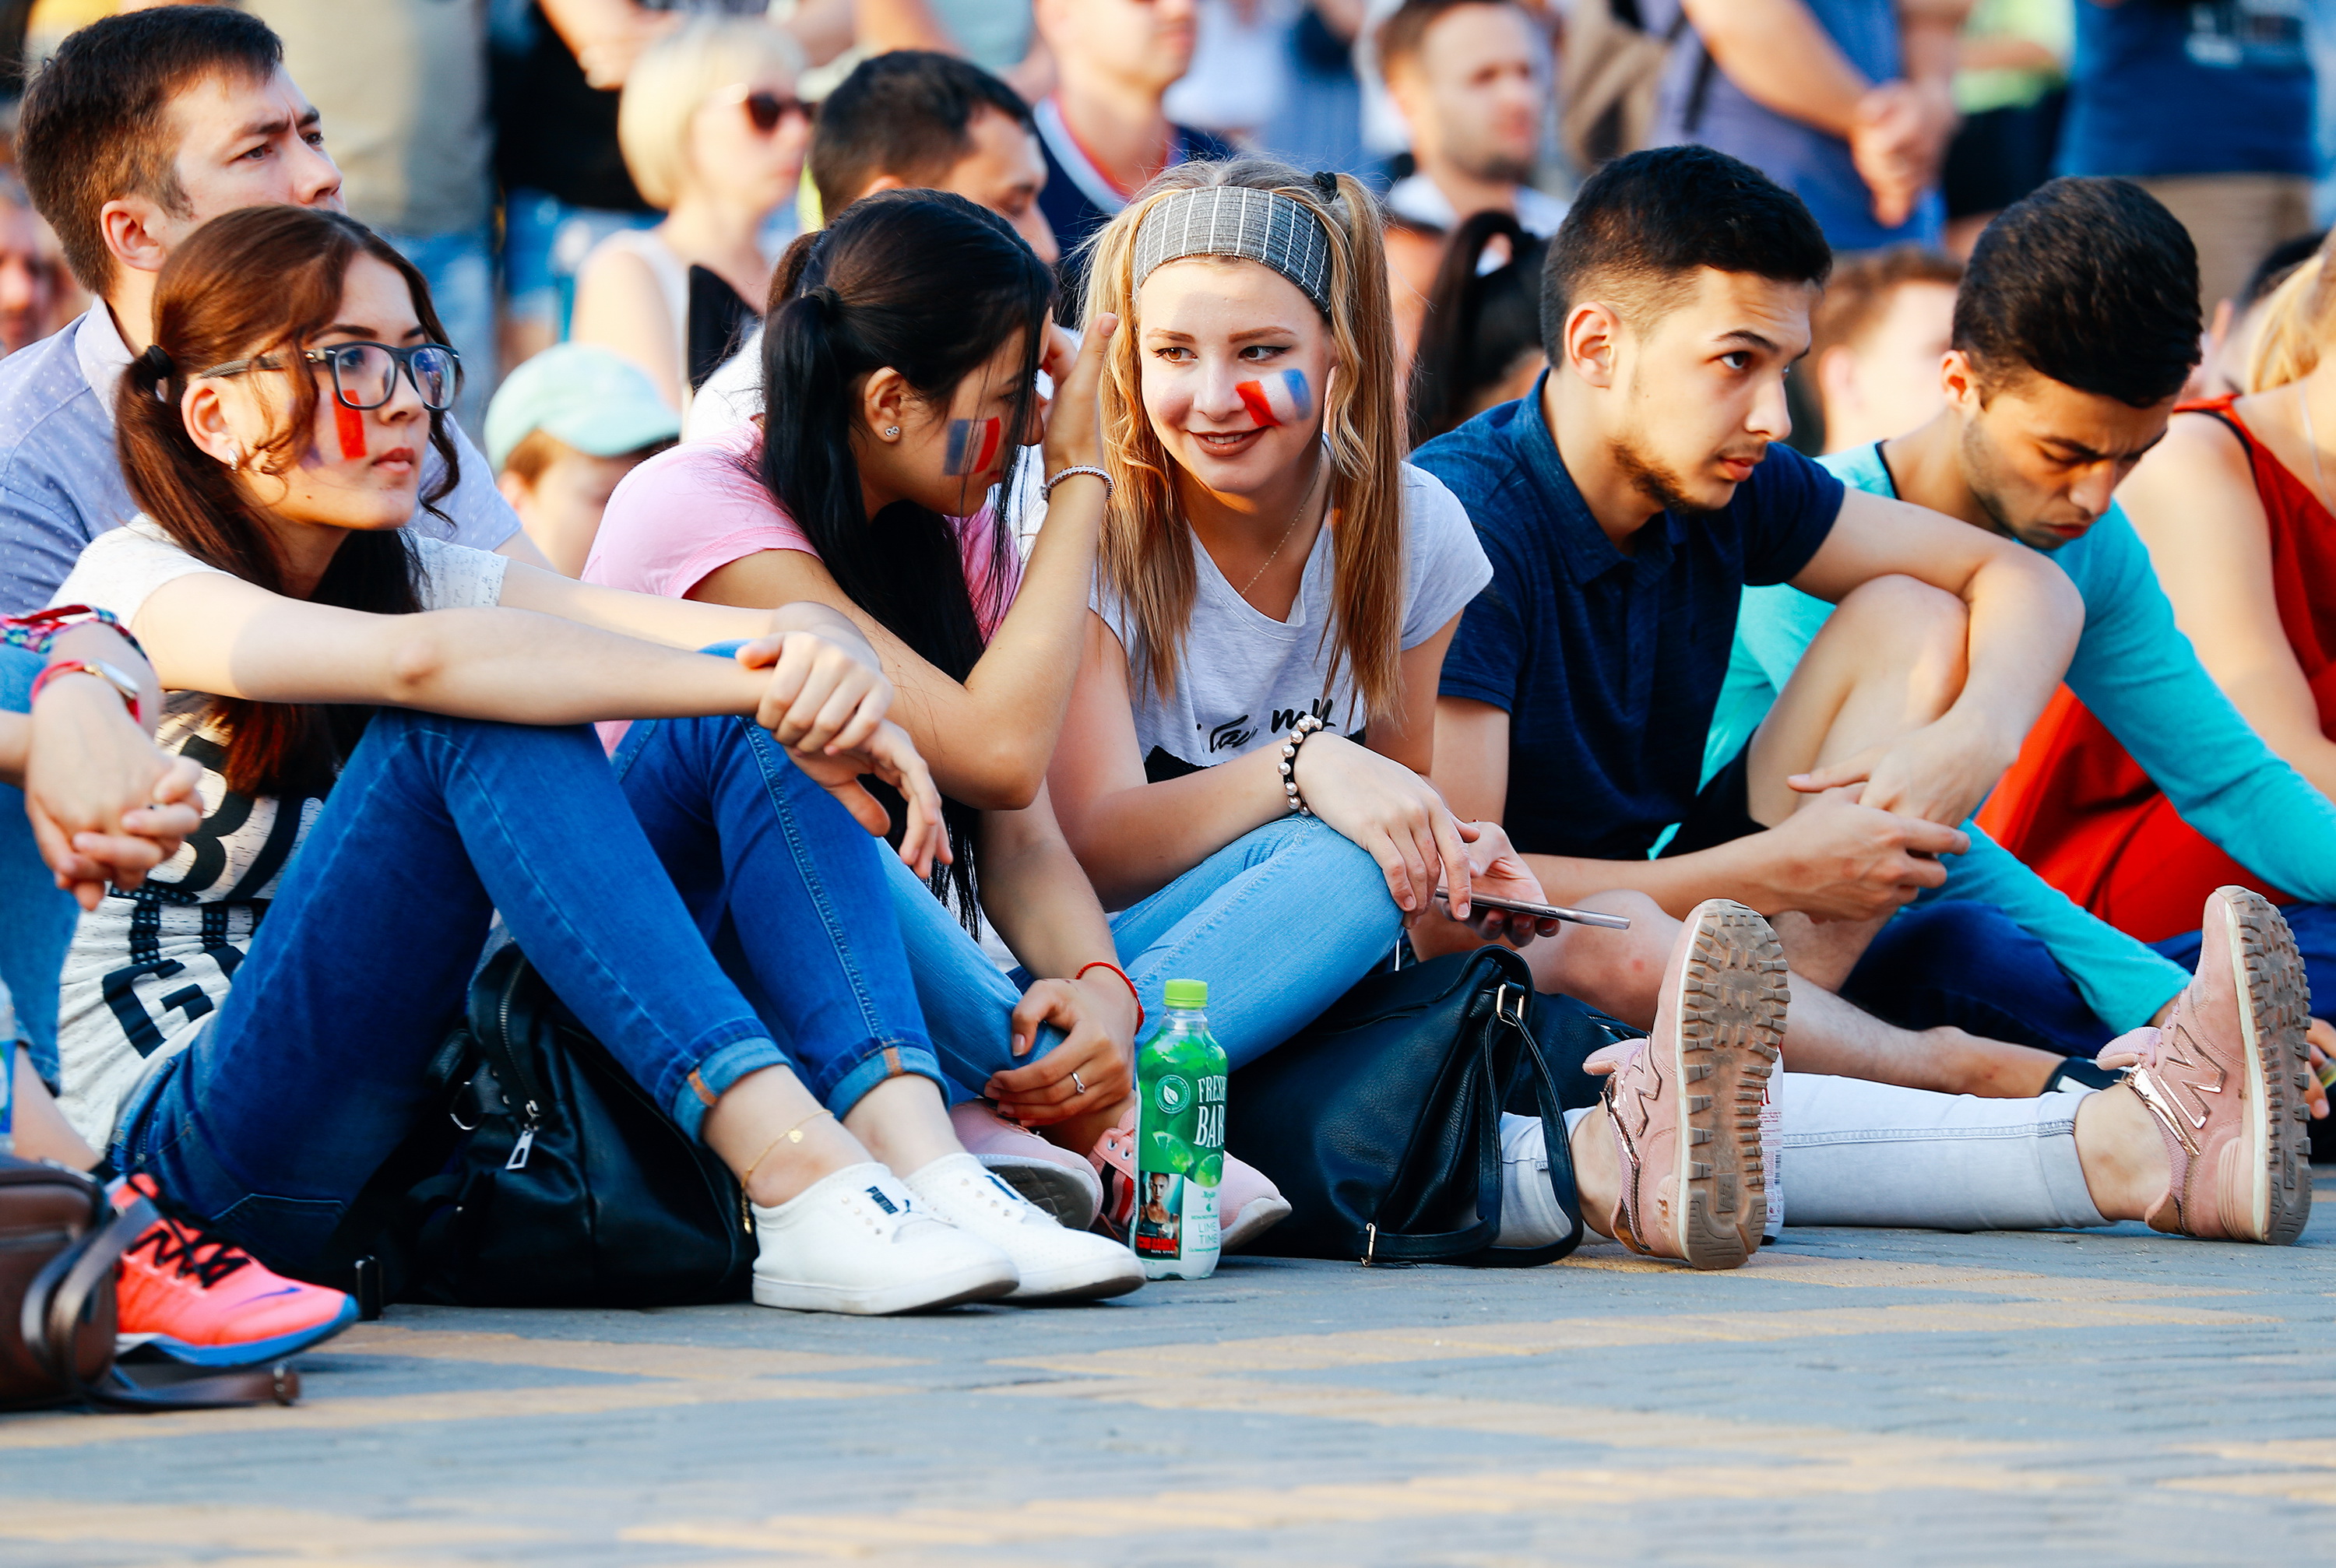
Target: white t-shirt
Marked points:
146	967
1244	678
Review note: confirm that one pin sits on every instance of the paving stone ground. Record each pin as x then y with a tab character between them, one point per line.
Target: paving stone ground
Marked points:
1851	1396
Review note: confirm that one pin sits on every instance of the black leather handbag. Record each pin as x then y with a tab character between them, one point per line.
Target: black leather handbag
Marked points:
1380	1122
552	1178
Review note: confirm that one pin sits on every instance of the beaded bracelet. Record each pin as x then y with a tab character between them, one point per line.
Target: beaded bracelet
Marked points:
1307	725
35	631
1109	489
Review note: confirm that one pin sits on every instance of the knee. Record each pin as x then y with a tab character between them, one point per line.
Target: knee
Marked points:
1908	626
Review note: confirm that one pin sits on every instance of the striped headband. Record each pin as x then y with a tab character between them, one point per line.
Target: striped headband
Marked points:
1262	226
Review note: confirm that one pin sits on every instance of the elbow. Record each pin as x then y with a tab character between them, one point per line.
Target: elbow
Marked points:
416	665
1003	775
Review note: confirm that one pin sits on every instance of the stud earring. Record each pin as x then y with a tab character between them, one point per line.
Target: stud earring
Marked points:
892	431
234	457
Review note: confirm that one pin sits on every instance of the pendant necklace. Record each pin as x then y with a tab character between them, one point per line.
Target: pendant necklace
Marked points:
1321	466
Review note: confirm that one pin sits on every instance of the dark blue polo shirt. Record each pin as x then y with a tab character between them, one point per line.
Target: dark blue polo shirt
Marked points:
1608	665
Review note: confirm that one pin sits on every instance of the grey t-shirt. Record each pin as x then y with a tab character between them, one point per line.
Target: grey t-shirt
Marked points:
1244	678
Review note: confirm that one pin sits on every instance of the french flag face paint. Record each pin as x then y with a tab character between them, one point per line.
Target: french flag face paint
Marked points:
1282	399
349	423
972	445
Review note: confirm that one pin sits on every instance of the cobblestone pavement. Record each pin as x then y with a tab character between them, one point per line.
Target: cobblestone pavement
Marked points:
1852	1396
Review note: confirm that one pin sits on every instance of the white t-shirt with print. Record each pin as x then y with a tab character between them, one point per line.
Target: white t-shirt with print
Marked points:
147	968
1244	678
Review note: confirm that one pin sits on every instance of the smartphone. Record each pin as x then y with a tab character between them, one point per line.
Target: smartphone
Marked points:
1544	911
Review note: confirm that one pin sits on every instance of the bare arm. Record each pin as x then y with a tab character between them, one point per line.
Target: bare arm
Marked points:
608	35
2025	618
620	307
1782	59
2193	501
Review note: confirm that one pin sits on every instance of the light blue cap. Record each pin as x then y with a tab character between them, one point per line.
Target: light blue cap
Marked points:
595	400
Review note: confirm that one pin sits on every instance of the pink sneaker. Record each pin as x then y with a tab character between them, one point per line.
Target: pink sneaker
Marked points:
2224	1079
1685	1105
197	1298
1248	1204
1053	1179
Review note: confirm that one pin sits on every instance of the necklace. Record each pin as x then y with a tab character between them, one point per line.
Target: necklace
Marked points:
2319	475
1303	507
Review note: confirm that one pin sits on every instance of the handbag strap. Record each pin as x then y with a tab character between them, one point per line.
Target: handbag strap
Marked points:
59	1299
1555	1145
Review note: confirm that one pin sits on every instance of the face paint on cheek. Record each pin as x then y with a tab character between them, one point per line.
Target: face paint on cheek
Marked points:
1277	400
350	423
972	445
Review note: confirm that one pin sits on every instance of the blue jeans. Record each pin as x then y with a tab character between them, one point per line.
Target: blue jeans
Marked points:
1970	966
312	1072
36	920
1280	923
545	241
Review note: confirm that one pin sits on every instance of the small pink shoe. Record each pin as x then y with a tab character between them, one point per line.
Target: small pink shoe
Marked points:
1685	1105
1055	1180
1248	1204
2225	1078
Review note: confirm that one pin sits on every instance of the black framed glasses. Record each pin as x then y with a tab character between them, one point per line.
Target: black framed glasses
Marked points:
364	375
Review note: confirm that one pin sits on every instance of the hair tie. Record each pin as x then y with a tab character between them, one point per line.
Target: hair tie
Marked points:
1327	184
157	361
830	303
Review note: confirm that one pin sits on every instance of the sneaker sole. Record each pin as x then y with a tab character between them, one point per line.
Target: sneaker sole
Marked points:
1095	1281
1069	1202
2270	983
1258	1216
1731	1028
244	1351
975	1282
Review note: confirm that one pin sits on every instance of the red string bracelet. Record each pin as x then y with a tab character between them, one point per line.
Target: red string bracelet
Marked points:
1114	968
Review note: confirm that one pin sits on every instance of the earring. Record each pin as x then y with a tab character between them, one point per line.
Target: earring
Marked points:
234	457
892	431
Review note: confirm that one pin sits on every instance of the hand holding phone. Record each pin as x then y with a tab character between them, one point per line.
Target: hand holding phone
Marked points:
1542	911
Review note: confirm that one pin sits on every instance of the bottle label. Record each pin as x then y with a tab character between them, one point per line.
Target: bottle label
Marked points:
1772	1127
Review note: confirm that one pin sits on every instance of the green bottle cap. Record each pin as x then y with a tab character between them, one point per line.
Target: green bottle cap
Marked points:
1185	993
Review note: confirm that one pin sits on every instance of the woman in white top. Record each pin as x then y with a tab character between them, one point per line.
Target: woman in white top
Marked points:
712	133
395	751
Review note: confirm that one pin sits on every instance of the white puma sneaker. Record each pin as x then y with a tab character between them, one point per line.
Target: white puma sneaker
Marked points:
1055	1264
857	1241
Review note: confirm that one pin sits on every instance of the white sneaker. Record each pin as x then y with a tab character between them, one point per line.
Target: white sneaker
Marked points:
1059	1181
1530	1214
1055	1264
857	1241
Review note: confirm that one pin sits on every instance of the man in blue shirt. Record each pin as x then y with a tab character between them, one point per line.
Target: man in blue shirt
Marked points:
2075	329
1624	505
141	128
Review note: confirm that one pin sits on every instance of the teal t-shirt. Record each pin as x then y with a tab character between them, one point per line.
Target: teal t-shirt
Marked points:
2139	674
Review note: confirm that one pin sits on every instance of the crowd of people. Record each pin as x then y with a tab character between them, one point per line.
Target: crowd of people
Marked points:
863	667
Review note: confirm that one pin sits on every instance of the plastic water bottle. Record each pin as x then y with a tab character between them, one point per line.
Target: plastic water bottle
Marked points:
1180	1139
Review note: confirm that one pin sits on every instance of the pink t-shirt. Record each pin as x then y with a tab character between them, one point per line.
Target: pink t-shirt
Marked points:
687	513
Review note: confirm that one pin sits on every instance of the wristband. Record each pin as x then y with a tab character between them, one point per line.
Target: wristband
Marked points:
35	631
121	681
1109	489
1307	725
1114	968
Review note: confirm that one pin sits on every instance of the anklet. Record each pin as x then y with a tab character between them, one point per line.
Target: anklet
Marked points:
792	1135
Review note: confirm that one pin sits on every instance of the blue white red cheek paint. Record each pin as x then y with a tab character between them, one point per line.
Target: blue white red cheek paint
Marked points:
972	445
1277	400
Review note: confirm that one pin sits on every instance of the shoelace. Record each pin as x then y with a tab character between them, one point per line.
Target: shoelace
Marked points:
172	1242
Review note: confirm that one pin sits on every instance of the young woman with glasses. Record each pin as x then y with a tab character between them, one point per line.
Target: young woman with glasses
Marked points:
395	751
714	134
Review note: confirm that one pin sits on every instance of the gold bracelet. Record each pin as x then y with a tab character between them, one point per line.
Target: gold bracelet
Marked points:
792	1135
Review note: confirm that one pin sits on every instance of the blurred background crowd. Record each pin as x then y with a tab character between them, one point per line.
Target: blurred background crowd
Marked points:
624	172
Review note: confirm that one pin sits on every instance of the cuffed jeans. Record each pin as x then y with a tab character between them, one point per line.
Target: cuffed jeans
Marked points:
36	919
312	1071
1855	1152
1281	923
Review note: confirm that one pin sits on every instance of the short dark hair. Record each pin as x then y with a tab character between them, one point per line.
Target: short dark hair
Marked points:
2086	281
2279	264
1400	36
1640	226
95	124
1859	292
906	113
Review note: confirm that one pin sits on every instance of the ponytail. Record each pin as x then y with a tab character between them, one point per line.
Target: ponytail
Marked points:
1481	325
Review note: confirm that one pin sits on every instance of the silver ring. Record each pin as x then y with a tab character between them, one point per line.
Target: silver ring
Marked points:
1075	1081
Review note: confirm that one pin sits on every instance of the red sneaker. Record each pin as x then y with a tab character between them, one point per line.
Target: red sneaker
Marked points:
2224	1079
197	1298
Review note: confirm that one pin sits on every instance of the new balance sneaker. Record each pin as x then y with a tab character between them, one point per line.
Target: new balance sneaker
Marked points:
2223	1078
856	1240
1247	1204
1055	1178
189	1295
1685	1104
1055	1264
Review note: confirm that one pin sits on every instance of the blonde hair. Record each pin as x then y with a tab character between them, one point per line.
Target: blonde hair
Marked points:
2296	318
1147	547
671	82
